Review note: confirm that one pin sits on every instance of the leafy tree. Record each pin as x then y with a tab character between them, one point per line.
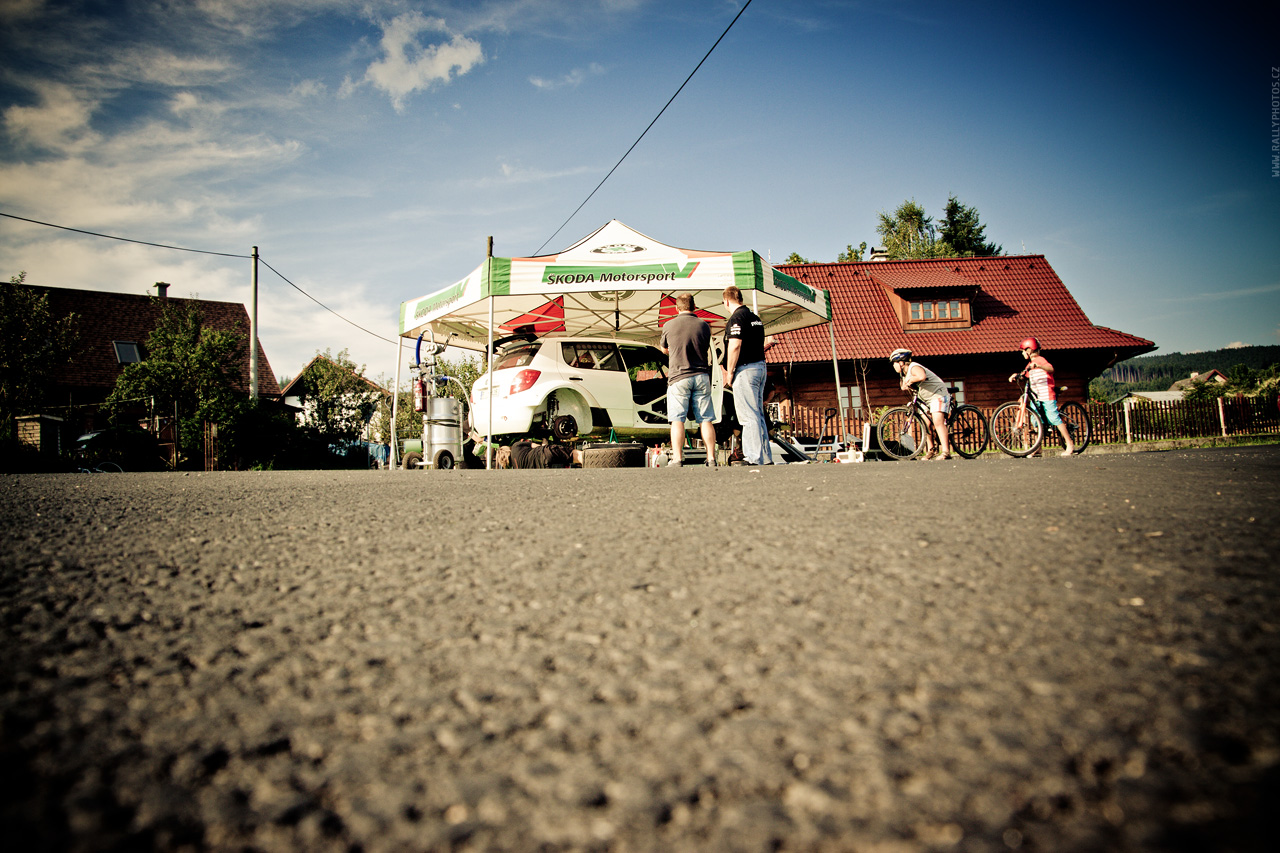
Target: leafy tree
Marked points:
338	399
910	234
1241	376
795	258
852	254
962	231
187	369
34	346
1202	390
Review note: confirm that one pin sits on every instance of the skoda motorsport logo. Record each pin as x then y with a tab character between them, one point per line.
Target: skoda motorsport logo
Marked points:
617	249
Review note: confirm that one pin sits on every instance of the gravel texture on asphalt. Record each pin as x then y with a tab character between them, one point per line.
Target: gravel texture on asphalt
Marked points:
1041	654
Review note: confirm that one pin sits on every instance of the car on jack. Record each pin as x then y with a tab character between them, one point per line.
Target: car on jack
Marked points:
573	388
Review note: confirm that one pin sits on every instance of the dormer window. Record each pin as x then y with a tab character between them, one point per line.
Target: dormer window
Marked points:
127	352
936	310
932	299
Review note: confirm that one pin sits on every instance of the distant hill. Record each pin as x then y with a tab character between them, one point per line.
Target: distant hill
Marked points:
1158	372
1176	365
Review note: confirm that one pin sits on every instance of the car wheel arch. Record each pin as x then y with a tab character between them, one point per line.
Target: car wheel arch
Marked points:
572	401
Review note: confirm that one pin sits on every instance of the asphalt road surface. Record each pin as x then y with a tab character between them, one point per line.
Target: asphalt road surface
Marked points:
1041	654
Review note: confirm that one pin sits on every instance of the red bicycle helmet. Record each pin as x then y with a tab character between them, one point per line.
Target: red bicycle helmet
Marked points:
1031	344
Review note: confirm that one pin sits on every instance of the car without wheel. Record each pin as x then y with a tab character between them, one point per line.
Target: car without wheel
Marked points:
569	388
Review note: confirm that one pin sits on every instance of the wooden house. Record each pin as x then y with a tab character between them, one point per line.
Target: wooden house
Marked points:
961	317
113	329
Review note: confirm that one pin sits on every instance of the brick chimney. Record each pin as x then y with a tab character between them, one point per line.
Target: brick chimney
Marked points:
162	289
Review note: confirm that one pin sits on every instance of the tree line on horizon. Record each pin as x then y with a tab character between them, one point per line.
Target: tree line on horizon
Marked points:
1247	370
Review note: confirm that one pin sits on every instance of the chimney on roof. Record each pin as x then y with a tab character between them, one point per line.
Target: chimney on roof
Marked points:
879	254
162	289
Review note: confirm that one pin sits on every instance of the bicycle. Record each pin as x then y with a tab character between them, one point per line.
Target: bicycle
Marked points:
1018	427
100	468
905	431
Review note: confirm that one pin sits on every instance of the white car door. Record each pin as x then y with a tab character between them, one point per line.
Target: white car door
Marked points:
597	367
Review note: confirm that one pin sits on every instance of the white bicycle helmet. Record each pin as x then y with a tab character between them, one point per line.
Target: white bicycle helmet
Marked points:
900	354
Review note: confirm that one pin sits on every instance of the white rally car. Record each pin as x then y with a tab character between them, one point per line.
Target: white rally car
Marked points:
574	387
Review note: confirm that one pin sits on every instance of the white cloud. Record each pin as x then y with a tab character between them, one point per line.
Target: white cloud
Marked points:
406	66
1236	345
161	67
12	9
573	79
513	174
1225	294
308	89
60	121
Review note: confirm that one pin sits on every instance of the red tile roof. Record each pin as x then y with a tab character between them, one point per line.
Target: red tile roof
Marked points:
907	279
107	317
1016	296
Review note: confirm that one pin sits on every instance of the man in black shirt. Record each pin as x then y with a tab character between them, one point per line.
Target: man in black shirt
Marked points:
746	373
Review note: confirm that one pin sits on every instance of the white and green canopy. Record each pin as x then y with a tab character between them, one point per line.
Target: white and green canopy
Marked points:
614	283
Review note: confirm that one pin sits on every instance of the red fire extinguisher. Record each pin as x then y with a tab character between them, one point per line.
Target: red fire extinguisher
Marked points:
418	394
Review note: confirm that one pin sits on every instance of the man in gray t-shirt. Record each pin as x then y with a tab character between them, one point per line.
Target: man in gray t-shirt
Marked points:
686	339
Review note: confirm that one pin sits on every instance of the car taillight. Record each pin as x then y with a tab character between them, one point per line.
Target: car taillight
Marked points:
524	381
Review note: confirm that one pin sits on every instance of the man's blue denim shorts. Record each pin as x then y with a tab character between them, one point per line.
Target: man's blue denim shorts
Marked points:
694	389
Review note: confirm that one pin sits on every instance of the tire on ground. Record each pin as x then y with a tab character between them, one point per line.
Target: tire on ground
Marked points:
613	455
412	461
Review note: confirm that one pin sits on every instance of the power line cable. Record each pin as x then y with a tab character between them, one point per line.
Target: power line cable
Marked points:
201	252
124	239
321	304
646	130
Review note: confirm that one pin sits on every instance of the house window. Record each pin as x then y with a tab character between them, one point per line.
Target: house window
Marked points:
956	389
940	310
851	398
127	352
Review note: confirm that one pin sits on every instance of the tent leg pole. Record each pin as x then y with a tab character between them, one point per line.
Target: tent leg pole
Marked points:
488	439
835	365
393	459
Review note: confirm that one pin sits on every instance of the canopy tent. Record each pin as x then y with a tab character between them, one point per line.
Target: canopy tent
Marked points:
614	283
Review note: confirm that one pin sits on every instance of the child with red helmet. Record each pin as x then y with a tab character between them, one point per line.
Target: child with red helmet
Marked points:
1039	373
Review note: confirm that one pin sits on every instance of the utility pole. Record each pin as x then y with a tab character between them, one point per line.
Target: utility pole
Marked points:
253	332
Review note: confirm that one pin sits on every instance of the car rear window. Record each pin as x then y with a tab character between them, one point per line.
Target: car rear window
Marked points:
517	355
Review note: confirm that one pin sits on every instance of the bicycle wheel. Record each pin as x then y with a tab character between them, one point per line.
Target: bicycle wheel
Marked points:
1014	436
1076	417
901	433
969	431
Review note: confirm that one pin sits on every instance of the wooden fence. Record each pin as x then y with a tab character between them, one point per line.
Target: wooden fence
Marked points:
1129	420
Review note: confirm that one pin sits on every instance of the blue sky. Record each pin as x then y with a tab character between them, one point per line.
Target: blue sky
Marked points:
370	148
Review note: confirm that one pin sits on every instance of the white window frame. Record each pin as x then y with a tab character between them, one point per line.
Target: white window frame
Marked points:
125	349
851	397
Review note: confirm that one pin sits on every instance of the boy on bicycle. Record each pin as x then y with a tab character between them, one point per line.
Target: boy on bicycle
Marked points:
1039	372
932	392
